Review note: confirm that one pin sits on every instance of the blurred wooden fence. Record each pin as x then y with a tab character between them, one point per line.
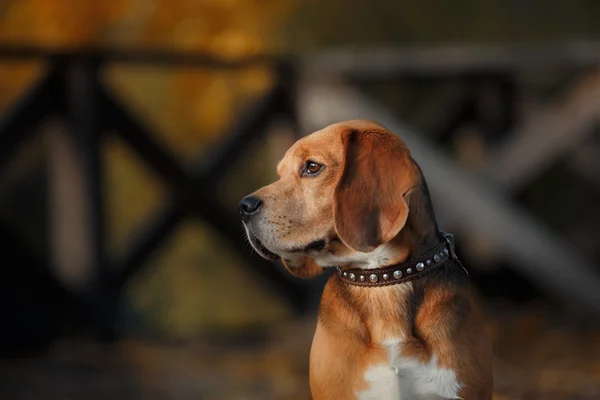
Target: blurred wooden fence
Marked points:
73	88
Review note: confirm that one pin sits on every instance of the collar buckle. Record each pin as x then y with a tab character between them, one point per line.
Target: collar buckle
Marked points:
449	238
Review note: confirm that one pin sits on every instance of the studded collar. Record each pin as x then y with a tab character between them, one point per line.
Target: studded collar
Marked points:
406	271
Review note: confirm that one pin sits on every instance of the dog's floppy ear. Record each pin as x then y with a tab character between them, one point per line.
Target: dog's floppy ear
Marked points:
303	268
369	205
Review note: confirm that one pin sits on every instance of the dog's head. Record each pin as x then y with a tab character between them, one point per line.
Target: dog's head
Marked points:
342	196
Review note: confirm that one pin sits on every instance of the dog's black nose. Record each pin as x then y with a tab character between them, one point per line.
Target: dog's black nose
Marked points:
249	205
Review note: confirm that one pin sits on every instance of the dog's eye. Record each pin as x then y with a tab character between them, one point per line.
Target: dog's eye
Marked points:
312	168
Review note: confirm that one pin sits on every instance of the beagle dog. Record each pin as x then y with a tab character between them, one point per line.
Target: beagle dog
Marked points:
398	319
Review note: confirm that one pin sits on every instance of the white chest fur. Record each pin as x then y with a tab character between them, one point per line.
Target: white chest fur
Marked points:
408	379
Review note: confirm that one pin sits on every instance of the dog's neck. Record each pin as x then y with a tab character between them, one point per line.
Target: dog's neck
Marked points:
419	235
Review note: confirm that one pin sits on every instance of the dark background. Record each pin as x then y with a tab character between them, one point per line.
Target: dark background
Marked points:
130	130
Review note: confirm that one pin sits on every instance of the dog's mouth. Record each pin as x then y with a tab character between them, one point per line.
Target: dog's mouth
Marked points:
313	247
259	247
317	245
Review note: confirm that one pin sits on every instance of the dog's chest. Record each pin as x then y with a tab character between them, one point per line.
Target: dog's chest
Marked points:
403	378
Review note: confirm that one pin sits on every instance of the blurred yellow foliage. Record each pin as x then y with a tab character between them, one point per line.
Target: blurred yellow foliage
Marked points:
225	27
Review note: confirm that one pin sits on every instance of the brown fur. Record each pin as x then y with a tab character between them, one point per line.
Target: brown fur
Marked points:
370	192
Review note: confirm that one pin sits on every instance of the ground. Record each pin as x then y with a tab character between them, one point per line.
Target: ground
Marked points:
538	356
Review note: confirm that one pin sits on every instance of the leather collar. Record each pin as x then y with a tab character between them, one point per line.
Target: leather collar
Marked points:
406	271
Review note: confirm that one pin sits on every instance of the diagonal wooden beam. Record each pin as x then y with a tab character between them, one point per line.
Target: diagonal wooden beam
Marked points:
246	132
546	136
145	242
140	137
17	123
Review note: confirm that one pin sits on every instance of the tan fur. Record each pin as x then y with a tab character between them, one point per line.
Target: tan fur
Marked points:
370	196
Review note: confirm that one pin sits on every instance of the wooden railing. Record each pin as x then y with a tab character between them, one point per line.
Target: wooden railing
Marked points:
72	88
